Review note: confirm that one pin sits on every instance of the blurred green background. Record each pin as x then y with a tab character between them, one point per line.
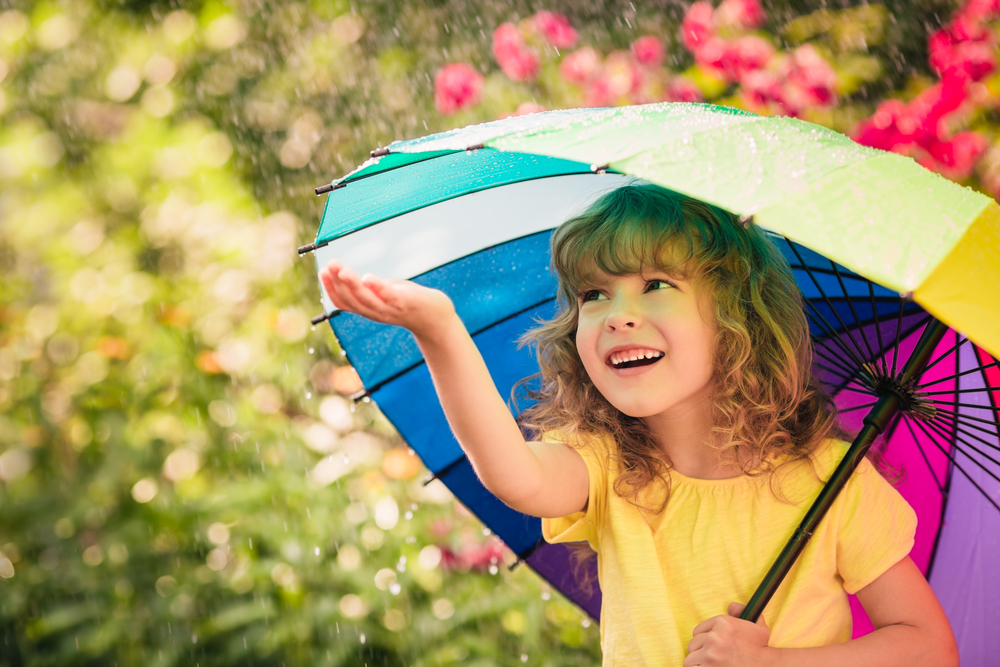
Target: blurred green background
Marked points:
183	478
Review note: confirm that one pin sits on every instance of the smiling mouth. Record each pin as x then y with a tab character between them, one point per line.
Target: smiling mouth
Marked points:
637	363
634	359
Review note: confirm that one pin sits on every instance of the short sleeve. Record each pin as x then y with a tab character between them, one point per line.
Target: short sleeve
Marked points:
876	528
582	526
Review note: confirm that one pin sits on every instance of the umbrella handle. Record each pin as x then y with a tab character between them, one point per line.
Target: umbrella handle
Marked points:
888	405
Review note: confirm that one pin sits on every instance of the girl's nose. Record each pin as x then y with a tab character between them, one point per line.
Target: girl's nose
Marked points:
622	315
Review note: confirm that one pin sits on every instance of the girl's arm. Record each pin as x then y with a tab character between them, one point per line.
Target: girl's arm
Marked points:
911	630
540	479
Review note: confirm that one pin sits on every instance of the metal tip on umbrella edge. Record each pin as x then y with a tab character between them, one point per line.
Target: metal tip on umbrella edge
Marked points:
319	319
746	221
906	296
525	555
475	148
329	187
312	246
380	152
600	168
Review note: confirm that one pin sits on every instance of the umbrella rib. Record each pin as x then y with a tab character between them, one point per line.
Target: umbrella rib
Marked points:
958	375
923	455
960	468
899	330
848	387
856	407
969	418
831	334
956	440
878	329
957	424
848	372
850	304
957	345
955	391
808	269
832	371
962	405
958	429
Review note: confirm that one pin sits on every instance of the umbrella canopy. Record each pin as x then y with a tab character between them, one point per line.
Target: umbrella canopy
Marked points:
879	246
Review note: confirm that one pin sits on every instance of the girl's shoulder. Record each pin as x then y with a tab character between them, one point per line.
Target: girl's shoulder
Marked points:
821	463
801	476
598	444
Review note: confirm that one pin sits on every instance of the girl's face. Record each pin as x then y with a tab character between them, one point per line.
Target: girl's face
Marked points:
647	342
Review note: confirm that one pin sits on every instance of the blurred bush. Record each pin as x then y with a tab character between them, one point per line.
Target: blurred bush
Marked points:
183	478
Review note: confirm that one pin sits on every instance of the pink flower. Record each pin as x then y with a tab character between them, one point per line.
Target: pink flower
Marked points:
698	25
556	29
753	53
965	45
881	131
740	14
523	109
516	60
717	54
457	87
600	93
580	66
681	89
477	557
979	10
810	81
761	88
648	51
958	155
735	59
621	73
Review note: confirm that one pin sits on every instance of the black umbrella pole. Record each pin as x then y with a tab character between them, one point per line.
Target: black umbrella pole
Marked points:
874	424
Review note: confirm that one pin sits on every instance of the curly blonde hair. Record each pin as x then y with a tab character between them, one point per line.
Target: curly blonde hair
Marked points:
767	404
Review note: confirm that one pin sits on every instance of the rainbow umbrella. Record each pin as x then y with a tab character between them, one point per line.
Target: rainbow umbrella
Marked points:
899	268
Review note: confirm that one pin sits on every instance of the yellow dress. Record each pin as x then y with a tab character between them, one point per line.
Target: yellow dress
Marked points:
662	574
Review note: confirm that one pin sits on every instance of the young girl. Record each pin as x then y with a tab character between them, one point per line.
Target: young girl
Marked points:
683	437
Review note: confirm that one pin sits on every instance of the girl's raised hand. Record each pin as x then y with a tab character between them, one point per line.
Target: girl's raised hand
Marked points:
422	310
728	641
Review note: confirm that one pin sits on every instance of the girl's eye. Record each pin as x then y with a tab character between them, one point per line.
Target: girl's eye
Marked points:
590	295
657	285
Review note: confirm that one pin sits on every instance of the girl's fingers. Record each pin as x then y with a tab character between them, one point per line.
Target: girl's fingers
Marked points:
370	304
329	284
383	289
346	284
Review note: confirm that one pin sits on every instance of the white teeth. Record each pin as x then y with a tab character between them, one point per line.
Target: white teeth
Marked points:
619	358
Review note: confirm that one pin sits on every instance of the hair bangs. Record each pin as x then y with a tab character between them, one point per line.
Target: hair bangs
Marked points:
623	240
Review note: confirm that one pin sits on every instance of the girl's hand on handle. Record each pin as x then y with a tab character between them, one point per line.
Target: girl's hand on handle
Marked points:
420	309
724	641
